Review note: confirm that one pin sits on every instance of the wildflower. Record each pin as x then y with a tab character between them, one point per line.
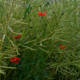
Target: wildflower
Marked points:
15	59
17	36
61	46
42	14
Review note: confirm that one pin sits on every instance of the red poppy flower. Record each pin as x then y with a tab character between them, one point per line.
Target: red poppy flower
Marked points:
42	14
17	36
61	46
15	59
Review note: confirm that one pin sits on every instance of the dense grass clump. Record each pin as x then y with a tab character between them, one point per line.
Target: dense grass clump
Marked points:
48	46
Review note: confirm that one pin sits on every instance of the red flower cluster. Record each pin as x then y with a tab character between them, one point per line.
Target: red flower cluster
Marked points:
15	59
17	36
42	14
61	46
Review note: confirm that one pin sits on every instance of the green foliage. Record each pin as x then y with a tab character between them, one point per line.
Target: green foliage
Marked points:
38	47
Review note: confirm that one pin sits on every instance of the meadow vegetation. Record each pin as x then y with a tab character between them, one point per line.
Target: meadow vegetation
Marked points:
41	57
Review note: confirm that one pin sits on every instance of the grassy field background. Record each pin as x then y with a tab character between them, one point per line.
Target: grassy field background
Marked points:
38	47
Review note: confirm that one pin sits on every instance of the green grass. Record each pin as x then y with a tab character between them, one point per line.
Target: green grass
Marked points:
41	57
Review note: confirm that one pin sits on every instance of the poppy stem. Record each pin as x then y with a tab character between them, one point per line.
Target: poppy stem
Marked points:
6	67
